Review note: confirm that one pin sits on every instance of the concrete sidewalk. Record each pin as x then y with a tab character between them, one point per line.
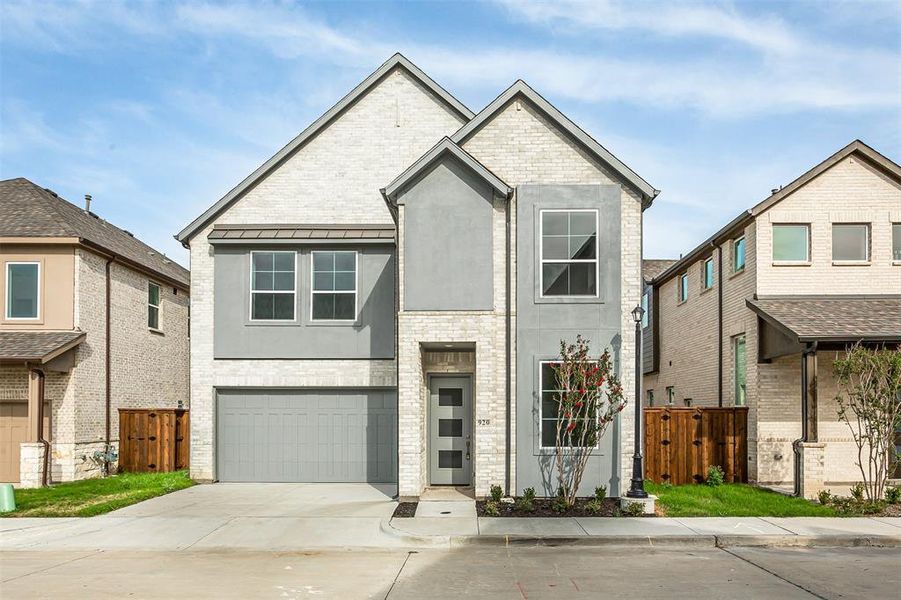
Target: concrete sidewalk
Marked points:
437	531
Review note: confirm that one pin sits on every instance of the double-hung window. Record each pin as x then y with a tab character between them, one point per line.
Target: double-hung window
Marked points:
738	255
23	290
334	288
683	287
153	306
740	369
791	243
551	389
569	253
273	286
707	274
851	242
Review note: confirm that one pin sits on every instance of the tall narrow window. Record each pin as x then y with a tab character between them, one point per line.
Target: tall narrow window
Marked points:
896	242
22	290
740	369
851	242
738	255
707	280
551	388
791	243
569	253
273	286
670	394
334	287
650	397
153	305
646	307
683	287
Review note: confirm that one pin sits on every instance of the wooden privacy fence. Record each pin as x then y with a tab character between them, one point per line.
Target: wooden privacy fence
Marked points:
680	444
153	440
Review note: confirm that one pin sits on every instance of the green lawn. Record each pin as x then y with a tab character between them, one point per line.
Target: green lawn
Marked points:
731	500
91	497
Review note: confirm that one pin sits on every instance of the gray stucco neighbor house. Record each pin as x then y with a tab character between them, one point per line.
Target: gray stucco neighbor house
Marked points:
380	300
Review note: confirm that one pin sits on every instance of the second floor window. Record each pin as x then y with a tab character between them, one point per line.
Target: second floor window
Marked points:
334	290
153	306
646	307
851	242
22	290
791	243
683	287
707	280
273	286
738	255
569	253
896	242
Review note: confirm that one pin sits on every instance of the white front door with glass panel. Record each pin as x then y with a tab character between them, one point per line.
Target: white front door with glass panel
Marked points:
450	431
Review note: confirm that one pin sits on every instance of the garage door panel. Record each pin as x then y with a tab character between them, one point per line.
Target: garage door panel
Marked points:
307	435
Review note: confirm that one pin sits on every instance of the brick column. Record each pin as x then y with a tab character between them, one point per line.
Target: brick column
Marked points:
31	462
813	468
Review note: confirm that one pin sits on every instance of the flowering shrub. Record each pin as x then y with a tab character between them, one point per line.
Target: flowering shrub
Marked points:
590	399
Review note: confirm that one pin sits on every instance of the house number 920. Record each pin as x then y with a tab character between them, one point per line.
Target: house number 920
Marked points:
483	421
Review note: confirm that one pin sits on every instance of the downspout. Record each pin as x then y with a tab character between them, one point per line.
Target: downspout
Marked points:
395	215
108	359
719	323
45	472
805	428
507	349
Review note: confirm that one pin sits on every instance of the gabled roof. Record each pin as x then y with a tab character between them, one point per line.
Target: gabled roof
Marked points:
522	89
398	60
857	147
30	211
445	146
833	318
652	267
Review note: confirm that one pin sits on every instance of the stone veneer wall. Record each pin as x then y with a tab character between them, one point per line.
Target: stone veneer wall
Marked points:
325	181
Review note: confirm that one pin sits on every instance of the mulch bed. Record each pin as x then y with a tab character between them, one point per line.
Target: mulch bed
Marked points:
542	507
405	510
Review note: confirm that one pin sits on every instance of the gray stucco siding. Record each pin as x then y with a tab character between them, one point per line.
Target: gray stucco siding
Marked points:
370	336
542	323
448	257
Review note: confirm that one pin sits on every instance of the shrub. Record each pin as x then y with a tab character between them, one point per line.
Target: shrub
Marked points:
893	495
560	504
529	493
497	492
857	492
594	507
715	476
634	509
825	497
600	493
492	508
524	504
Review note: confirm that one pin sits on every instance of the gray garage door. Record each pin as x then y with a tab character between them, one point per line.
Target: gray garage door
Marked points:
307	435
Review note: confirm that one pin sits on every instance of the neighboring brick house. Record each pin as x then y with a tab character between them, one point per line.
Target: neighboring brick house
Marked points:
785	286
359	310
92	320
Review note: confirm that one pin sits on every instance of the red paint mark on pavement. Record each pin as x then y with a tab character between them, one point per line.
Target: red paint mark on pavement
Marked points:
522	592
575	585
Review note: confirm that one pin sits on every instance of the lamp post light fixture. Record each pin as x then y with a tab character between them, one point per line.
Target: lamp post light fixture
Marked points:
636	489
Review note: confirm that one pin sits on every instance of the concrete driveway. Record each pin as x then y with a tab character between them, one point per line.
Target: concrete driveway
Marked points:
233	516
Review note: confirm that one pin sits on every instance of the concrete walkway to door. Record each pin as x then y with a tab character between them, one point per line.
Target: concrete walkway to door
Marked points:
224	516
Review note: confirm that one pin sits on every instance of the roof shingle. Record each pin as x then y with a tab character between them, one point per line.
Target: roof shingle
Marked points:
35	345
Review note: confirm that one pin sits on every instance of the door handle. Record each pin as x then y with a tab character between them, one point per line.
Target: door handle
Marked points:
467	448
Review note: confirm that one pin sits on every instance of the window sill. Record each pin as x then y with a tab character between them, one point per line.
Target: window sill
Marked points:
896	263
272	323
791	263
851	263
155	331
569	300
736	273
324	323
681	302
705	290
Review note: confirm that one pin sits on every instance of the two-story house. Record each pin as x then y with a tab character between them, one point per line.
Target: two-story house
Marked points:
91	320
382	299
757	314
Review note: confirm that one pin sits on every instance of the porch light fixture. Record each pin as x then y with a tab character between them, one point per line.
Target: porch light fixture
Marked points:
636	489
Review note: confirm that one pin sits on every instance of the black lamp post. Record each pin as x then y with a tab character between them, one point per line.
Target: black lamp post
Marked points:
636	490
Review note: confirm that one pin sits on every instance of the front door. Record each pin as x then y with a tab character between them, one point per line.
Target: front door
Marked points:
450	430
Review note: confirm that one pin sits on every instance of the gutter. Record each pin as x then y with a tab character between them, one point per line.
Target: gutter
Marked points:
508	334
108	361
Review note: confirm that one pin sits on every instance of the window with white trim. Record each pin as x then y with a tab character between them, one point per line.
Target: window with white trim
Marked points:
153	305
334	287
551	387
707	274
791	242
646	309
896	242
851	242
683	287
738	254
23	283
273	285
569	253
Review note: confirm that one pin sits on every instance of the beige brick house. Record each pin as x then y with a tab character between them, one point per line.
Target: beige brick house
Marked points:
361	311
92	320
757	314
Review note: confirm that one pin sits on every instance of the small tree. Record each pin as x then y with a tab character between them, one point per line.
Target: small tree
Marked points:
869	401
589	399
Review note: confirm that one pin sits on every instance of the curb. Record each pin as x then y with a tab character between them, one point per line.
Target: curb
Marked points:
641	541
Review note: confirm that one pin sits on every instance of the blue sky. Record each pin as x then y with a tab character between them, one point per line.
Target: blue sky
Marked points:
158	109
